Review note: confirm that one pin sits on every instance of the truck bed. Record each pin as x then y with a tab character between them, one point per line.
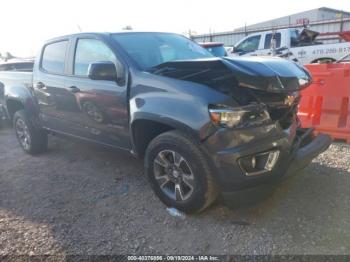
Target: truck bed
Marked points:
12	79
7	77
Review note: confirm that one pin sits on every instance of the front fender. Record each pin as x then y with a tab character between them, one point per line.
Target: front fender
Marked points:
173	123
183	105
179	111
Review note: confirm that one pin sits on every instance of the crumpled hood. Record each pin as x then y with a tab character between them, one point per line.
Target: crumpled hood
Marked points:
262	73
307	36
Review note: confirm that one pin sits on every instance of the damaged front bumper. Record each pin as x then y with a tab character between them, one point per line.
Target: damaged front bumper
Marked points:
306	151
273	152
302	156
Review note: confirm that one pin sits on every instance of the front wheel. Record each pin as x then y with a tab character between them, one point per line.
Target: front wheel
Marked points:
179	172
32	139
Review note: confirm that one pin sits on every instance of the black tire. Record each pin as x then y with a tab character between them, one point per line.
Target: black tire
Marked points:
324	61
203	191
36	138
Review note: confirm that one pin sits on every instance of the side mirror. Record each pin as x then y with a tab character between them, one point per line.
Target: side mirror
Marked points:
102	71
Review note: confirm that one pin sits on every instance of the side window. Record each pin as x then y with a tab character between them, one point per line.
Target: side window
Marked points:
250	44
90	51
268	38
54	56
294	36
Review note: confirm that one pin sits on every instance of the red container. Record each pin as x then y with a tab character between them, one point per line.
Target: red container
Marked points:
325	104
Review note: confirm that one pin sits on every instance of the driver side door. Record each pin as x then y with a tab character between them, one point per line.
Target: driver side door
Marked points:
101	113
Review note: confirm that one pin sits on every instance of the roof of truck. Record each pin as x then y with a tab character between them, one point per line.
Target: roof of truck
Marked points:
103	34
211	44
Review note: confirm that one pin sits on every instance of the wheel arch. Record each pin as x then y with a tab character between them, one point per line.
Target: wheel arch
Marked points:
323	59
12	106
19	97
144	130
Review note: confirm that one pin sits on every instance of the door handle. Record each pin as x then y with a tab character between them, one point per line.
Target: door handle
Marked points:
40	85
74	89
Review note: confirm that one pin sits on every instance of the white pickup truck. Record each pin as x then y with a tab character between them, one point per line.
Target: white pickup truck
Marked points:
295	44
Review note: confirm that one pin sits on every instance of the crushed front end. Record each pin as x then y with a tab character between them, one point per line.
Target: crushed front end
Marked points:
259	152
257	137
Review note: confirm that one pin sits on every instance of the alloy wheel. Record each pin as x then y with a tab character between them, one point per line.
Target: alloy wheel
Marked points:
174	175
23	134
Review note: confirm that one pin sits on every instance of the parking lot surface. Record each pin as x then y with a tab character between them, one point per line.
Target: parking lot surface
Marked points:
84	199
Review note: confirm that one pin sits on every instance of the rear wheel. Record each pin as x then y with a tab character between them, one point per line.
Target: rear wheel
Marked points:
32	139
324	61
179	172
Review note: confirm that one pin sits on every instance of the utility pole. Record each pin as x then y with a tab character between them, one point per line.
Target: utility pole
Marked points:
341	24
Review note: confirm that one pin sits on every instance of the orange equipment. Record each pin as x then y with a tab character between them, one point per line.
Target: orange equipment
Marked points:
325	104
345	35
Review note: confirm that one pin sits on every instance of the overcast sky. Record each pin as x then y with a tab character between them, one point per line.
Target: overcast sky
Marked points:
25	24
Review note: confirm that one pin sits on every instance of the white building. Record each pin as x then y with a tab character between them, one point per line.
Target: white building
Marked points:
324	20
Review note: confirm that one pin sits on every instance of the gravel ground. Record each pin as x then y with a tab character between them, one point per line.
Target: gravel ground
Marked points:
85	199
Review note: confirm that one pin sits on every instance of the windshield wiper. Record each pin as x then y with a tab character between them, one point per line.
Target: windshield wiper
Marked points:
156	70
195	74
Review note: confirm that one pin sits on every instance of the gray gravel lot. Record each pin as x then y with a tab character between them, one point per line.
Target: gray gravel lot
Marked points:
84	199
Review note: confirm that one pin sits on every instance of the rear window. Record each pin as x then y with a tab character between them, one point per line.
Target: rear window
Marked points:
54	57
20	66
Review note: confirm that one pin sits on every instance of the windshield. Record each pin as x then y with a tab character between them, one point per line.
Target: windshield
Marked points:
151	49
217	50
249	45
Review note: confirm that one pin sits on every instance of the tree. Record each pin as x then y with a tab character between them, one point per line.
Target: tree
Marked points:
128	27
7	55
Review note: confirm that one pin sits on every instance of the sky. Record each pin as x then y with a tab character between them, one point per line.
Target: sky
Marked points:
25	24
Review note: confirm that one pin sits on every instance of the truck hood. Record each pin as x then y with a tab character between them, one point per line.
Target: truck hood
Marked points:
307	36
267	74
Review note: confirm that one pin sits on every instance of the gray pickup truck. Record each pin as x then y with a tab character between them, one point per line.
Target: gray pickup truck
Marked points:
204	125
13	65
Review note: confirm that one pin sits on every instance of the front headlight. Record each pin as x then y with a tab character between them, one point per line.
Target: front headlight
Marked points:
239	116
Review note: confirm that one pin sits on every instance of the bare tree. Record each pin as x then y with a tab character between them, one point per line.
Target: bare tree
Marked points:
128	27
6	56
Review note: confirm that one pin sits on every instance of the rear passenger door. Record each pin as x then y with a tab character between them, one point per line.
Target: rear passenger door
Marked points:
48	84
101	106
